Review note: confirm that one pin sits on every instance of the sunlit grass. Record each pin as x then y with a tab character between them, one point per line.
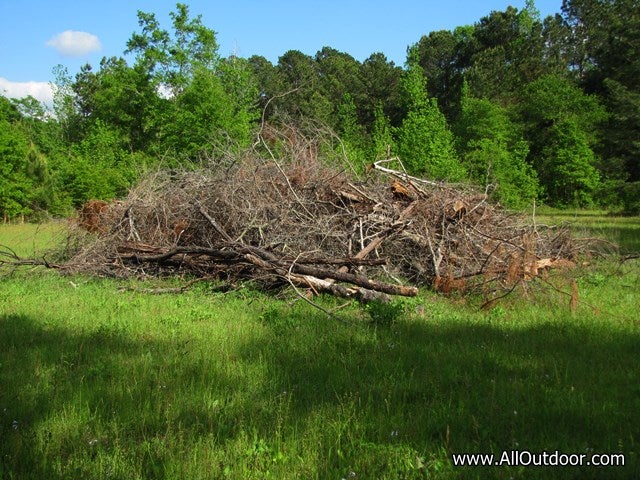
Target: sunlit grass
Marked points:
621	230
29	239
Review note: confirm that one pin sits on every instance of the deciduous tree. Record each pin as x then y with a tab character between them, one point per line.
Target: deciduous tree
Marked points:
562	127
494	151
173	58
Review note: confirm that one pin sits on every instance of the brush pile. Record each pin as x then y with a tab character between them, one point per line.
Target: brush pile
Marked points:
294	220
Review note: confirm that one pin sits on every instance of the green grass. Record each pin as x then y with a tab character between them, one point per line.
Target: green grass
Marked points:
29	239
97	382
624	231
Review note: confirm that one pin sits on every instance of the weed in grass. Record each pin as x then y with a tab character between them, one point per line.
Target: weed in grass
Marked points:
277	318
385	314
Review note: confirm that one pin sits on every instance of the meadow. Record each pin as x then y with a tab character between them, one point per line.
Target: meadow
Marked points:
624	231
101	380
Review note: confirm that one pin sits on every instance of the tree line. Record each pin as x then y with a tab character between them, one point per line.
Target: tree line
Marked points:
530	108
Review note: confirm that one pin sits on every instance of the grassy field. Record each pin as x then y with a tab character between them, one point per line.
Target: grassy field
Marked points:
27	239
624	231
98	381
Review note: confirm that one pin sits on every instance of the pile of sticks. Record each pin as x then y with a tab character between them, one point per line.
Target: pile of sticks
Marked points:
287	217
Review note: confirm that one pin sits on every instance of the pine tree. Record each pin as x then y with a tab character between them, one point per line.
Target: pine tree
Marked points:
425	142
381	134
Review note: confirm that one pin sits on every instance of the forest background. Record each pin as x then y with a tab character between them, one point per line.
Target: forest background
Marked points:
531	109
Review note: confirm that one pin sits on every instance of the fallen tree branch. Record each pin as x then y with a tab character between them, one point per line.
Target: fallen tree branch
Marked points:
9	258
321	278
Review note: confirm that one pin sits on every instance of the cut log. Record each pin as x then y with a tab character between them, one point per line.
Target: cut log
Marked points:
306	273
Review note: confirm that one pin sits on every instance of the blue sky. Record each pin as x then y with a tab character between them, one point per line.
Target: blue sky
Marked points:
37	35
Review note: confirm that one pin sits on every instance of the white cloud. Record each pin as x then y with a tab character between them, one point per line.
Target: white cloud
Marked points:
42	91
71	43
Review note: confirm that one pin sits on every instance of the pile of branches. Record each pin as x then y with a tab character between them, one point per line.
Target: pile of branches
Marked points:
293	219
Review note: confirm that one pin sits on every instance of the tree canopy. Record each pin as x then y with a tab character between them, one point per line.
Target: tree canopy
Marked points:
528	107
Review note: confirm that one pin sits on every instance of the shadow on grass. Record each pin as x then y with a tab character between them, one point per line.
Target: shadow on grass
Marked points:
472	388
421	387
97	403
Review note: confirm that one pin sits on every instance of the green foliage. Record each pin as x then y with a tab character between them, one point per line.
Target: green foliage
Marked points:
190	118
64	106
381	84
561	124
507	51
425	142
382	141
9	111
385	314
174	58
630	196
605	53
556	96
121	96
352	134
42	195
98	167
26	185
241	89
622	131
567	166
494	151
298	86
15	185
30	109
441	54
190	123
339	76
205	98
